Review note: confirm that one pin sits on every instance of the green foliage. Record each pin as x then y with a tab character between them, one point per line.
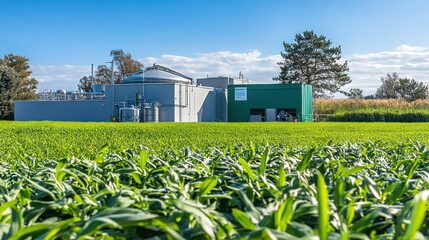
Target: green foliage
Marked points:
15	84
387	89
395	87
8	85
367	190
26	86
378	115
411	90
354	93
85	84
312	60
124	66
323	207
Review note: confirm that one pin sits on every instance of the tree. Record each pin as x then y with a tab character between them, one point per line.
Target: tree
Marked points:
392	86
388	87
125	64
354	93
312	60
102	75
411	90
26	85
9	80
85	84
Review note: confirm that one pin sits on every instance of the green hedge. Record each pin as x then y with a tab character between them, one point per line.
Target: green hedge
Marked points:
377	115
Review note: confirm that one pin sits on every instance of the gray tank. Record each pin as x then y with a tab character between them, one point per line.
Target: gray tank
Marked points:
129	114
151	112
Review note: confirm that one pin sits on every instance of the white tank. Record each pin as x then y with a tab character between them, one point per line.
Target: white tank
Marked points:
158	74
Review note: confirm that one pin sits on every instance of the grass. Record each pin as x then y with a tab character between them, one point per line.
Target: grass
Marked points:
53	140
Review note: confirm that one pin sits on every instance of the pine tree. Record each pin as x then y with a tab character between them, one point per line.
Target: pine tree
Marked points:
312	60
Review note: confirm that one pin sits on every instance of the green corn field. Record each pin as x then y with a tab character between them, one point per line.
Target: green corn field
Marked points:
55	140
250	181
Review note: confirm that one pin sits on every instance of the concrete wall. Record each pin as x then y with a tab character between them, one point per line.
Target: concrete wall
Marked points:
82	111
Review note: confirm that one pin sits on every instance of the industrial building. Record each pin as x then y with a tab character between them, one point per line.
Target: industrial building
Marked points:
270	102
158	93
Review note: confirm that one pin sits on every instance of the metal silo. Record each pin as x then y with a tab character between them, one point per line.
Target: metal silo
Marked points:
151	112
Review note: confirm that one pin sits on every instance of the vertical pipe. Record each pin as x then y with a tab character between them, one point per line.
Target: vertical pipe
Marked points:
113	86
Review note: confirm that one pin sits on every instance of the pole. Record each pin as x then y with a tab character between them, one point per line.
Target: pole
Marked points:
111	73
113	87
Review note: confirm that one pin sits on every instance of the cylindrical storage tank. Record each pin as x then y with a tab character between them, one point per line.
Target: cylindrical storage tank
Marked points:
98	88
155	110
147	112
151	112
129	114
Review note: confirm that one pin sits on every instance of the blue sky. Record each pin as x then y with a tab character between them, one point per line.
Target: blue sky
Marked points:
222	37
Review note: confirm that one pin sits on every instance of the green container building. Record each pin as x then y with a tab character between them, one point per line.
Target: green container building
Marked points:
270	102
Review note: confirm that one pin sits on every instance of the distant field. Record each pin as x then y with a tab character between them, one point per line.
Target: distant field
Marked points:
58	139
330	106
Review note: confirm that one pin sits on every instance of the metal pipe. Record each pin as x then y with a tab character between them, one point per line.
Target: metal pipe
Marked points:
113	87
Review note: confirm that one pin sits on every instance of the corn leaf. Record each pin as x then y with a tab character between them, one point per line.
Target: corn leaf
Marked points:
207	186
323	207
305	160
246	168
243	219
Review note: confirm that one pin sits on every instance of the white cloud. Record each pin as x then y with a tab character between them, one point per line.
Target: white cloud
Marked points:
252	64
365	69
408	61
54	77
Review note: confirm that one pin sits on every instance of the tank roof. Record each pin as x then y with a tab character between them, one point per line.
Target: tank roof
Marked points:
158	74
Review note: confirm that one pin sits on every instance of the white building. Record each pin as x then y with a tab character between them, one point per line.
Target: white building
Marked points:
156	94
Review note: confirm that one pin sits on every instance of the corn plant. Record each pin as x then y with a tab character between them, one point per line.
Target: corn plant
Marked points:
366	190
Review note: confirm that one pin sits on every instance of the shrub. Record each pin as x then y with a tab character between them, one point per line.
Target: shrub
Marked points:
380	115
331	106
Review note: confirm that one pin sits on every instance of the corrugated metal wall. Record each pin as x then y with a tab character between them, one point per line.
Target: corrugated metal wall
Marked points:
268	98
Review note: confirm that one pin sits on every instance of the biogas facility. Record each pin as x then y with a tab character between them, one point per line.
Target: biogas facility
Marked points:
161	94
